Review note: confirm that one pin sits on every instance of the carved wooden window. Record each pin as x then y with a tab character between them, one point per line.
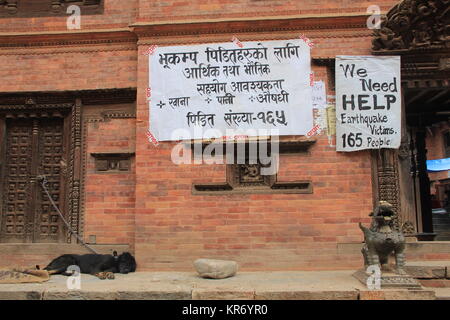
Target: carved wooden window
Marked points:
45	8
246	176
112	162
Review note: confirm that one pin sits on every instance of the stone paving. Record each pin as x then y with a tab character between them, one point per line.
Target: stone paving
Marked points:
297	285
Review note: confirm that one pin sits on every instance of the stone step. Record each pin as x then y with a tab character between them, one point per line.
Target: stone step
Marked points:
435	283
278	285
442	293
427	272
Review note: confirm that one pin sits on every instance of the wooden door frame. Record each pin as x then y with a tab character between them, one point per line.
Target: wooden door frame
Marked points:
70	202
73	102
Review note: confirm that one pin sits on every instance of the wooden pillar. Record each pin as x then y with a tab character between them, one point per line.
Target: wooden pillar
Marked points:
388	180
75	169
424	181
406	172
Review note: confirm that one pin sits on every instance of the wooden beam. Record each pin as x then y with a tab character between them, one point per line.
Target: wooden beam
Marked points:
437	96
265	24
417	96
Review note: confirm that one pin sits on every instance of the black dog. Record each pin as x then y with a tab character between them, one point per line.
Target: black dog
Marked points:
101	265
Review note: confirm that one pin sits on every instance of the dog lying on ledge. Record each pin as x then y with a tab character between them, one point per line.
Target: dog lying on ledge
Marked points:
102	266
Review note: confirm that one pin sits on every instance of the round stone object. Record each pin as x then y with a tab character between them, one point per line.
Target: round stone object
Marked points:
215	269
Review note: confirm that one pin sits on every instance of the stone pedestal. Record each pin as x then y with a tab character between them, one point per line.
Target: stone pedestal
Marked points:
390	280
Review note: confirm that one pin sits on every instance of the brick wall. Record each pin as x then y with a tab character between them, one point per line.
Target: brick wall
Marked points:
152	208
174	227
117	14
172	10
260	231
96	68
109	196
120	14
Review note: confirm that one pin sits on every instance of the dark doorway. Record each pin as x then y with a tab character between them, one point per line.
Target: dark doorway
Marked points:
427	111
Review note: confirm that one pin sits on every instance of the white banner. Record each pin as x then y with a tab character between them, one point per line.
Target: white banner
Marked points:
201	91
368	102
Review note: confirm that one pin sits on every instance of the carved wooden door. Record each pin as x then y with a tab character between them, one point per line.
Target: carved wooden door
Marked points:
33	147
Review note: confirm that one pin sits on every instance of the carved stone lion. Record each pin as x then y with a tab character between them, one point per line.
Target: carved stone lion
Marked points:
381	239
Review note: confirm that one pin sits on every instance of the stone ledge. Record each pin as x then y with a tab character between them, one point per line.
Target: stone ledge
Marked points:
155	295
397	295
79	295
223	295
390	280
20	295
426	272
419	247
435	283
112	295
306	295
301	285
201	294
442	293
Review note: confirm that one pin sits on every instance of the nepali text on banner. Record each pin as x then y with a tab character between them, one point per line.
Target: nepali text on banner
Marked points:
201	91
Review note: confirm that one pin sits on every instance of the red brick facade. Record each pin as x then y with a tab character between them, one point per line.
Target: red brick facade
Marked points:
151	208
109	197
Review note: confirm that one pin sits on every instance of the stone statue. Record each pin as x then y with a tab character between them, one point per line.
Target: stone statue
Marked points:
382	239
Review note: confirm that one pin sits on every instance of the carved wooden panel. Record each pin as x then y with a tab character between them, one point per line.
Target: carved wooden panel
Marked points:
51	155
112	162
33	147
246	176
414	24
250	173
388	182
16	217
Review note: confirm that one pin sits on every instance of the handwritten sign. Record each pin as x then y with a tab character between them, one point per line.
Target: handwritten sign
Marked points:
368	103
205	90
319	96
